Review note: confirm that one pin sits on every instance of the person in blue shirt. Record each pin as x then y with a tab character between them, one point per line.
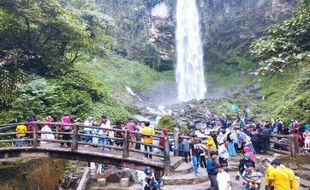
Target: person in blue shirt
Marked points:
211	169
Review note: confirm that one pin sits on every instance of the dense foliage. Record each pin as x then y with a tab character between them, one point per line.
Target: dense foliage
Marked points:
287	43
42	41
284	60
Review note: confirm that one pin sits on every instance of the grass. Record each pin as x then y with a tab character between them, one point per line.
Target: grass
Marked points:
117	72
285	95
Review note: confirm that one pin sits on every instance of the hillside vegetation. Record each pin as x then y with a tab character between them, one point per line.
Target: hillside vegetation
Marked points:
58	57
284	70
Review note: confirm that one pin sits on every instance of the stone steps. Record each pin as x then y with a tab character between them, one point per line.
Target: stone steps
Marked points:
305	183
201	186
186	179
184	168
116	186
176	162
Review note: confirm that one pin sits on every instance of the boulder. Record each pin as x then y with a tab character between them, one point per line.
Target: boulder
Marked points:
102	182
124	182
113	178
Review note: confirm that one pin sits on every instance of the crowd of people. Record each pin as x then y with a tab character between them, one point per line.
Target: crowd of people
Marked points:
247	138
104	134
223	140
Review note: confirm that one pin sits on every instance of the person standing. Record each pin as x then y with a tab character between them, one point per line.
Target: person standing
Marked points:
293	181
202	153
32	118
148	131
186	149
104	123
163	135
223	153
223	178
195	153
47	128
306	136
66	119
265	136
132	127
88	131
278	178
211	170
119	134
268	170
20	134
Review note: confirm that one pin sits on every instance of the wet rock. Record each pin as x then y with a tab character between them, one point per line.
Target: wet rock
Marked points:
114	178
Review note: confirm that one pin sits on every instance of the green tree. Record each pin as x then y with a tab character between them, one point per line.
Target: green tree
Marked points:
286	45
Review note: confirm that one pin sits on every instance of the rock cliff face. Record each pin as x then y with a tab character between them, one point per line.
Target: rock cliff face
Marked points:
145	30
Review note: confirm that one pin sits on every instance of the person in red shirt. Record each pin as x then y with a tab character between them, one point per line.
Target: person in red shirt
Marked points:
298	136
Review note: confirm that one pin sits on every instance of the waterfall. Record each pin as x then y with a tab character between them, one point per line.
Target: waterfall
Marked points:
189	70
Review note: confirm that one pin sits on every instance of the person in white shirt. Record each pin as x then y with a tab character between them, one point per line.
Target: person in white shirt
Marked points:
105	124
88	131
223	179
223	153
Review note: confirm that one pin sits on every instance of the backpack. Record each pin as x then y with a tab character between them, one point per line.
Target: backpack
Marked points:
67	128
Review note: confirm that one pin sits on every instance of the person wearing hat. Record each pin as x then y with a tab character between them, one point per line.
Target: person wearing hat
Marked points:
223	178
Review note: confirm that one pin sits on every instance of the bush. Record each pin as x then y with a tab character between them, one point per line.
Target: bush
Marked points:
167	122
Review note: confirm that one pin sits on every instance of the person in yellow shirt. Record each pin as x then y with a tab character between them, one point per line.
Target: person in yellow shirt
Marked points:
20	130
148	139
269	168
278	178
293	181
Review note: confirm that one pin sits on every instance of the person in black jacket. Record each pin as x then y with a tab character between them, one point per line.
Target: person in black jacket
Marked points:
255	138
244	162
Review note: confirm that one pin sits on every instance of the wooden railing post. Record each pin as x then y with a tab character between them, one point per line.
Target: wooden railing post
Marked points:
293	146
57	130
35	130
74	145
176	144
167	157
125	144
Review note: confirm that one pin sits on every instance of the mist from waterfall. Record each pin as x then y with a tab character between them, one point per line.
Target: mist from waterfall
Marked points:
189	71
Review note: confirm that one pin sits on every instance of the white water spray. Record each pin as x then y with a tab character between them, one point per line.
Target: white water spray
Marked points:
189	71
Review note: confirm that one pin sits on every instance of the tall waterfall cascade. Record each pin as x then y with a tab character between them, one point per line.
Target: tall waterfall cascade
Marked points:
189	71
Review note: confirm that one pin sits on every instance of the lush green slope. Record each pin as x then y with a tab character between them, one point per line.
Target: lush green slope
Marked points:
286	95
77	72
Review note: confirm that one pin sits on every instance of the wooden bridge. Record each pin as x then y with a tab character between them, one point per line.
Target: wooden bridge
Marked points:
78	149
121	156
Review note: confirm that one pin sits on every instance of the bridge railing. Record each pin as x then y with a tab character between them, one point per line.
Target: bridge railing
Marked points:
285	144
75	138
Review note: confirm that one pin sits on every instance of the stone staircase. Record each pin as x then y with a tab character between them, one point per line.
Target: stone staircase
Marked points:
183	178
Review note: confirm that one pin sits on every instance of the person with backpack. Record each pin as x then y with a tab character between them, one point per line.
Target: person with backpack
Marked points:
202	154
186	148
149	182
